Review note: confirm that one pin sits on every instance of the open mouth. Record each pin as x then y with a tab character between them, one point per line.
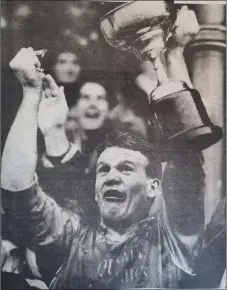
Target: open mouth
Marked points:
70	73
92	115
114	195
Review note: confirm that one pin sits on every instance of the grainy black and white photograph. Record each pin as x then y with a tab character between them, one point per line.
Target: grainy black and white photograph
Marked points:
113	144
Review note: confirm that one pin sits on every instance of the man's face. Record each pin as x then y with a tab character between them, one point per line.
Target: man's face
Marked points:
122	185
67	68
92	106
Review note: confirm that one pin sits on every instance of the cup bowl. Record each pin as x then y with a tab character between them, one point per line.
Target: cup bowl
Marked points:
121	25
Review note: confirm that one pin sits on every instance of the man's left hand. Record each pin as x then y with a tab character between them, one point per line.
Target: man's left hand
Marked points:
186	28
53	109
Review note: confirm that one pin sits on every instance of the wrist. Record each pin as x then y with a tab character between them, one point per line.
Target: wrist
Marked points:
175	52
31	95
56	142
176	66
31	90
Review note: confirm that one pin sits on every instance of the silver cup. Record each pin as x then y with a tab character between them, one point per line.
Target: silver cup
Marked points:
144	28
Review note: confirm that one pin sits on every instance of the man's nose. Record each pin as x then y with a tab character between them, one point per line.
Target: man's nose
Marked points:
92	104
113	177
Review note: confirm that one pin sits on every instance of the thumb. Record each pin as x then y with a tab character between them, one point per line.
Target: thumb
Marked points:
62	95
62	89
180	12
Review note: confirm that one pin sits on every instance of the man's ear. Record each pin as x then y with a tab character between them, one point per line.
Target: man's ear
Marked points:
153	187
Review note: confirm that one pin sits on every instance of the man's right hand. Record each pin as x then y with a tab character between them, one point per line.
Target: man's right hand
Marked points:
25	65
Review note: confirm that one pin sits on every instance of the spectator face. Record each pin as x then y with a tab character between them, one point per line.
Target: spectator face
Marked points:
125	118
92	107
67	68
122	185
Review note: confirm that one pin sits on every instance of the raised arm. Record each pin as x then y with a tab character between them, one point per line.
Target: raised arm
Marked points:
186	28
20	152
35	217
183	180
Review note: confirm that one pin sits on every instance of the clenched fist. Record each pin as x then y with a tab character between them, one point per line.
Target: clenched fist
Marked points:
186	28
26	67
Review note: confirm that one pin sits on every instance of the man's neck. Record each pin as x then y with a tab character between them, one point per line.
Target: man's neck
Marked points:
115	235
118	233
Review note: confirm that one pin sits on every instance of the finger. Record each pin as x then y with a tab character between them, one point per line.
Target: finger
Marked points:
184	8
48	93
42	75
30	49
23	58
44	84
188	23
46	89
32	58
30	54
193	20
17	58
52	85
181	13
22	51
62	96
62	93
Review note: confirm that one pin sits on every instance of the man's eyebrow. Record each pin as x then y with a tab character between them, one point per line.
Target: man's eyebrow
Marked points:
127	161
101	163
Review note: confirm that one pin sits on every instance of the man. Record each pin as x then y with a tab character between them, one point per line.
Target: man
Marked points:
129	248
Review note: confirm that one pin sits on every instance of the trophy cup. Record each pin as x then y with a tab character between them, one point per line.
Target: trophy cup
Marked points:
144	27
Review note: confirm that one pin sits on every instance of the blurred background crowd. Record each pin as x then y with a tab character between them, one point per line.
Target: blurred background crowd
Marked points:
104	85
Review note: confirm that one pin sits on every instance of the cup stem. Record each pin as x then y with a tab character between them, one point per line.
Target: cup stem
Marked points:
159	68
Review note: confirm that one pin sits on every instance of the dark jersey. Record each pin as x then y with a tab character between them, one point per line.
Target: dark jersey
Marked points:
148	258
159	252
152	254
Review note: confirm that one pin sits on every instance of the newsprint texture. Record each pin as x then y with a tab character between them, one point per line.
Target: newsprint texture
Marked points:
113	144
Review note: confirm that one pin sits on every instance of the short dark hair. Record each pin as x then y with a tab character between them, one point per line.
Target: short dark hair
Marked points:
135	142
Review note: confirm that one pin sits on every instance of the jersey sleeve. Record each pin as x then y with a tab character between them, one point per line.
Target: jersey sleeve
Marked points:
182	209
36	219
